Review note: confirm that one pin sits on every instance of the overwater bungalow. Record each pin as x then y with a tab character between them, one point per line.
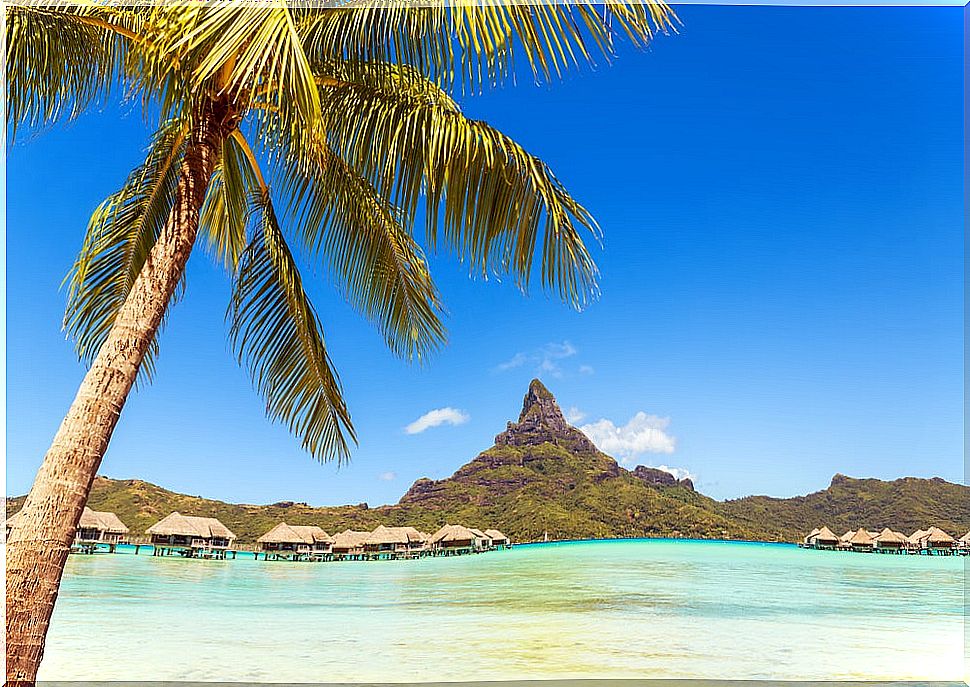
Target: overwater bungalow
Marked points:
349	545
861	540
295	542
826	539
417	540
499	540
844	540
453	539
888	541
963	543
914	542
483	542
939	542
97	530
807	541
822	538
190	535
386	542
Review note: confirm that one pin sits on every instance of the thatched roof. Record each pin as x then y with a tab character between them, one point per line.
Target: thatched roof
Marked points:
825	534
317	534
935	535
414	534
386	535
495	534
861	538
847	536
887	536
916	536
811	534
965	539
294	534
103	520
349	539
13	520
478	533
176	524
396	535
450	533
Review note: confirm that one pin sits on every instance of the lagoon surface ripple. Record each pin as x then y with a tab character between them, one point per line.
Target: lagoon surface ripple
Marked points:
643	608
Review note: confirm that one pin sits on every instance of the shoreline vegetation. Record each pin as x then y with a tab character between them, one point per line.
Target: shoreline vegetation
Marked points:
208	538
544	479
865	540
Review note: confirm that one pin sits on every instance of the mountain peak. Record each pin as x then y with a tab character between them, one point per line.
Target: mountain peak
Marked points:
542	421
540	402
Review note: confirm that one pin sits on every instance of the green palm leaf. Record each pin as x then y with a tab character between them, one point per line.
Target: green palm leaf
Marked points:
249	51
277	336
119	237
486	197
382	271
57	65
226	211
351	107
482	39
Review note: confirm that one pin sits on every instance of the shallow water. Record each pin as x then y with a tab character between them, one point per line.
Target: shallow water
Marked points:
655	608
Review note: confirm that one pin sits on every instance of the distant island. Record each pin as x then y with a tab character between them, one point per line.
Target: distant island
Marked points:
543	477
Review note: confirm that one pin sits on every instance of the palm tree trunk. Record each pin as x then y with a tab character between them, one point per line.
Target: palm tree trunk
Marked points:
37	548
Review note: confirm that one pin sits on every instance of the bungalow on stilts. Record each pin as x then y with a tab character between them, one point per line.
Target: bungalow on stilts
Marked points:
191	536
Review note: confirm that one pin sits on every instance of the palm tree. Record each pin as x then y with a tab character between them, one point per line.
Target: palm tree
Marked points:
333	128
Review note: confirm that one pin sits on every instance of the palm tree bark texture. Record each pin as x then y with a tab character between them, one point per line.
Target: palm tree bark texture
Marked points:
37	550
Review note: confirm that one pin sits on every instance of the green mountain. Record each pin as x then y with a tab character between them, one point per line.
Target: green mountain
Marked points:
543	476
905	505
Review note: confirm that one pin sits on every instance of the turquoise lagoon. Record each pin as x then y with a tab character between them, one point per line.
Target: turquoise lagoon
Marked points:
654	608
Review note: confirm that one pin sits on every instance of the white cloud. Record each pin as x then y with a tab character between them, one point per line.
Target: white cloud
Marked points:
545	360
574	415
387	476
642	434
436	418
517	360
679	473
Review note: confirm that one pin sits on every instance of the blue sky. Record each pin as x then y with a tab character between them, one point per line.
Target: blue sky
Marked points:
781	195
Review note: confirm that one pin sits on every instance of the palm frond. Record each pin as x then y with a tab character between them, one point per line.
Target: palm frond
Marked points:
384	31
277	335
120	235
158	68
377	263
57	65
225	213
248	51
473	45
486	197
552	36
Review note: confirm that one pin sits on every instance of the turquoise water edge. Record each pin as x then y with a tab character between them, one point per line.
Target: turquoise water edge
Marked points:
604	609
